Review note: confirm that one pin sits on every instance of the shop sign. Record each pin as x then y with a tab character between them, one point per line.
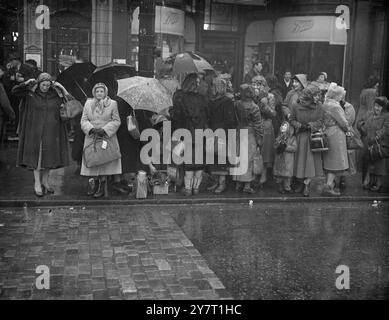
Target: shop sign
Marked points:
167	21
309	28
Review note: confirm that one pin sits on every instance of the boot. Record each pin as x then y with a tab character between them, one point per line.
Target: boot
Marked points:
213	187
222	186
306	190
330	191
281	188
102	190
188	186
196	185
247	188
93	186
342	183
299	187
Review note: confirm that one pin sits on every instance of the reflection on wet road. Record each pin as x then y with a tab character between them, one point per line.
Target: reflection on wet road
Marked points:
291	251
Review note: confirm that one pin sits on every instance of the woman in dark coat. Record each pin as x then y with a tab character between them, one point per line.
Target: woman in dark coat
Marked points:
129	147
43	142
374	126
190	111
250	118
221	116
307	116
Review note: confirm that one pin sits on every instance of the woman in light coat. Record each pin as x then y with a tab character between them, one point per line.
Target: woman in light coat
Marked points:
335	160
101	118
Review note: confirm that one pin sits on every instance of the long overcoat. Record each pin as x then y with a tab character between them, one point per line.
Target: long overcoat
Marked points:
336	124
375	126
307	164
109	120
41	129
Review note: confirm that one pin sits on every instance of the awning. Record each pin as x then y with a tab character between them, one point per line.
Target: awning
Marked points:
309	28
259	32
167	21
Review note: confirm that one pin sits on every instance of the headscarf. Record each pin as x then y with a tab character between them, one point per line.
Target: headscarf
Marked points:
190	83
247	91
99	105
302	78
307	94
41	78
335	92
219	88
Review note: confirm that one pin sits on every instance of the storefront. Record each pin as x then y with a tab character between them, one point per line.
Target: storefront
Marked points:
304	44
310	44
169	32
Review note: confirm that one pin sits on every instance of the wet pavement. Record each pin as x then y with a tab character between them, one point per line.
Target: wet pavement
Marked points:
292	252
17	185
101	253
269	251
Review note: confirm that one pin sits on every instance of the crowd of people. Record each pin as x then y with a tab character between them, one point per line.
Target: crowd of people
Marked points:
281	116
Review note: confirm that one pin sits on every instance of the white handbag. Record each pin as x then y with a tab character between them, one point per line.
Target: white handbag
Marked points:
133	127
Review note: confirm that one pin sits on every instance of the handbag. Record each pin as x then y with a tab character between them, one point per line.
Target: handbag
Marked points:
353	141
258	162
133	127
318	141
378	150
70	108
100	152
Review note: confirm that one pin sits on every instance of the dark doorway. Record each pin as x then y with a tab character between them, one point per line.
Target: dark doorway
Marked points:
67	41
310	58
223	52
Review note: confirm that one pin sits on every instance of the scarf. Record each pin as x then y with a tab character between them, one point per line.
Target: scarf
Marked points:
99	105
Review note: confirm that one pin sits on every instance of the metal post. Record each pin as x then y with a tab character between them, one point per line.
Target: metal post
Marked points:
146	38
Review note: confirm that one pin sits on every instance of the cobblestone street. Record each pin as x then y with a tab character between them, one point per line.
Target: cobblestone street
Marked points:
109	253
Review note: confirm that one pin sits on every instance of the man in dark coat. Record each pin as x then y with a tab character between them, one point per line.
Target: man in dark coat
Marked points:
256	70
286	84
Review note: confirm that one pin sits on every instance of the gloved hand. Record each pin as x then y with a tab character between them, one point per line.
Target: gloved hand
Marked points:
100	132
281	147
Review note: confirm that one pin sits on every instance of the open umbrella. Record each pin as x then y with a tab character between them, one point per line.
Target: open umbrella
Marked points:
144	94
75	79
189	62
109	73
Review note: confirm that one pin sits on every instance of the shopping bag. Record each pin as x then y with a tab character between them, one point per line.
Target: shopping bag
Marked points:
353	140
133	127
101	151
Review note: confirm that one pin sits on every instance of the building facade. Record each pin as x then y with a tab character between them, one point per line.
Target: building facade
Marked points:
348	39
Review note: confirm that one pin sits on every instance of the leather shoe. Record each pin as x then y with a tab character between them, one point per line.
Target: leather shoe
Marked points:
47	190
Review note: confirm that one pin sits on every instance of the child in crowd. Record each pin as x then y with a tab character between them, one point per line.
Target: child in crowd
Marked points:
285	146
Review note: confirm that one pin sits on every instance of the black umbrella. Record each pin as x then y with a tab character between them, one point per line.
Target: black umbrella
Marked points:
75	79
109	74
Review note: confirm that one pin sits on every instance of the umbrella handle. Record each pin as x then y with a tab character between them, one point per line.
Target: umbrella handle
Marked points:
81	89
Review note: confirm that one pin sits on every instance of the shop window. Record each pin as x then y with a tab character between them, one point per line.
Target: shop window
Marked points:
310	58
220	17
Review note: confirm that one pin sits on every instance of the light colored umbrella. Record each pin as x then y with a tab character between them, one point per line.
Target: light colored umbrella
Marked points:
144	94
189	62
